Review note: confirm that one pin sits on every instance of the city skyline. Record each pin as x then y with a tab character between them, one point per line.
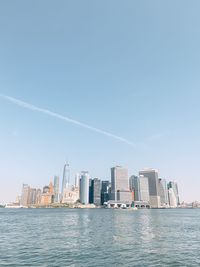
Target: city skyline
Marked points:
127	76
123	191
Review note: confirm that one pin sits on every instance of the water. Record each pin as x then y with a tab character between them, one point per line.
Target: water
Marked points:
99	237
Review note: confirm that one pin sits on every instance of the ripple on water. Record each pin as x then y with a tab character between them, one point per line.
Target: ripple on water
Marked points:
64	237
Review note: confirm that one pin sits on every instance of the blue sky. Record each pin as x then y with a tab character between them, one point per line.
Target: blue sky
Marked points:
130	68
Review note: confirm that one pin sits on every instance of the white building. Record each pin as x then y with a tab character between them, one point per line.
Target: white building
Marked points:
84	187
120	190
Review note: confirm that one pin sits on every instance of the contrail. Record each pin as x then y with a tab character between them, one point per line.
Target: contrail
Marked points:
64	118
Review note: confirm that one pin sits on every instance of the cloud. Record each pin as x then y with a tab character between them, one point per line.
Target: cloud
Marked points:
65	118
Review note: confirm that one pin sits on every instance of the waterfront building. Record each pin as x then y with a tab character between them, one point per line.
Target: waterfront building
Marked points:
135	186
152	176
56	189
144	188
95	192
90	191
71	195
131	182
172	198
77	180
84	187
47	197
25	195
140	186
174	186
32	196
105	185
38	196
163	193
66	178
120	183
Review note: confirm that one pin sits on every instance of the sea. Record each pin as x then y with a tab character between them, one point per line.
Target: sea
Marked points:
99	237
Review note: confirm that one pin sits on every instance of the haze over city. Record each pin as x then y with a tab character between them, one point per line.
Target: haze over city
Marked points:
99	85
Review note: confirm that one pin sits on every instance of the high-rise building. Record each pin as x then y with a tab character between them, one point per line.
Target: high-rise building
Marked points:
56	189
174	186
90	191
172	198
135	186
25	195
144	188
105	185
84	187
152	176
66	178
120	190
95	191
77	180
32	196
38	196
163	193
140	186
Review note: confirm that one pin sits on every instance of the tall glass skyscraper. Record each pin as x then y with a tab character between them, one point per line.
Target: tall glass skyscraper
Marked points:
66	178
174	187
84	187
95	191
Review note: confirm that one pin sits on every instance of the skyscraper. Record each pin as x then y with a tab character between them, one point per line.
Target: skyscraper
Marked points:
77	180
152	176
135	186
163	193
66	178
96	191
56	189
140	186
84	187
32	196
172	198
120	190
25	194
174	186
104	191
144	188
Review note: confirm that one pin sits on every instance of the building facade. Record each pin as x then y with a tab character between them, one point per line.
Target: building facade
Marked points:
95	191
120	190
56	189
84	187
152	176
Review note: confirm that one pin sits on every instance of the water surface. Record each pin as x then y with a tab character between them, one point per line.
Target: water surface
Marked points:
99	237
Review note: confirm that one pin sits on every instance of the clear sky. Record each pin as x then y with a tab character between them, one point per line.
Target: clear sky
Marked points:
130	68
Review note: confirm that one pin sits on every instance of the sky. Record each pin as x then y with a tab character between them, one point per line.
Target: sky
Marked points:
99	84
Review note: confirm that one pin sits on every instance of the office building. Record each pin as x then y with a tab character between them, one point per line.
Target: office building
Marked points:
174	186
84	187
152	176
95	192
25	195
144	188
140	186
120	190
66	178
56	189
32	196
172	198
163	193
77	180
105	185
135	187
